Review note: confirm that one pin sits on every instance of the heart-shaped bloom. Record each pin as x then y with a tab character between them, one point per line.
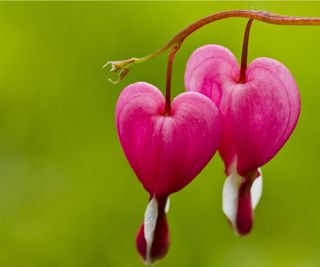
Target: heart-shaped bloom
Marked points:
166	151
258	115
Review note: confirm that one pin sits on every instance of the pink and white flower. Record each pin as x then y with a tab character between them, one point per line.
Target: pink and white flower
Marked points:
258	116
166	151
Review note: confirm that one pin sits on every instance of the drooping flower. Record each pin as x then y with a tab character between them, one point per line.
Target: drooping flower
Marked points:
258	116
166	151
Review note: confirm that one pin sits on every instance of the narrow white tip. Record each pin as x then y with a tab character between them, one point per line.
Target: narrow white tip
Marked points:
166	209
150	222
230	197
256	190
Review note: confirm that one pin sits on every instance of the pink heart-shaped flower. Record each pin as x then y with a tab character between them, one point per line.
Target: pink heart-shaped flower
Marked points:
166	151
258	118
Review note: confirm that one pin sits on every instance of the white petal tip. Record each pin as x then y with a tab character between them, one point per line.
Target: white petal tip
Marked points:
230	197
150	222
256	190
166	209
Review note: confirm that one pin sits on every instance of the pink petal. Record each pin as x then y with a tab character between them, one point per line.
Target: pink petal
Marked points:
264	113
213	71
258	116
166	152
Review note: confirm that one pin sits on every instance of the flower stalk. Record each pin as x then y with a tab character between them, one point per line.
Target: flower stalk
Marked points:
172	54
244	56
122	67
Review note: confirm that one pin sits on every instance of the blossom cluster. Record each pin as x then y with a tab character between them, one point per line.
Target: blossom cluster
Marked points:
247	122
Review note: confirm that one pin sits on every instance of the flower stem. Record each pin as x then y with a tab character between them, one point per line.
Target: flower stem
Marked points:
245	52
123	66
172	54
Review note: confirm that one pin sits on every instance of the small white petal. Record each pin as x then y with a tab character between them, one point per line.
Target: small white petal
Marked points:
166	209
256	190
150	222
230	197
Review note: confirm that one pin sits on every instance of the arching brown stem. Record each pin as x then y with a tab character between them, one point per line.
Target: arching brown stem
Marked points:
263	16
122	66
244	56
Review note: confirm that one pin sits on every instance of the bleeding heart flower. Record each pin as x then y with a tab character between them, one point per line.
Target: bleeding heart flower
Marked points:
166	151
258	115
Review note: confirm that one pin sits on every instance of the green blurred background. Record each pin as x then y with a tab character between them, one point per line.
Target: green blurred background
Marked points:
68	197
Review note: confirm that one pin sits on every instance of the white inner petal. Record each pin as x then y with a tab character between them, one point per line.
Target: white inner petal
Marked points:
166	209
230	197
150	222
231	191
256	190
